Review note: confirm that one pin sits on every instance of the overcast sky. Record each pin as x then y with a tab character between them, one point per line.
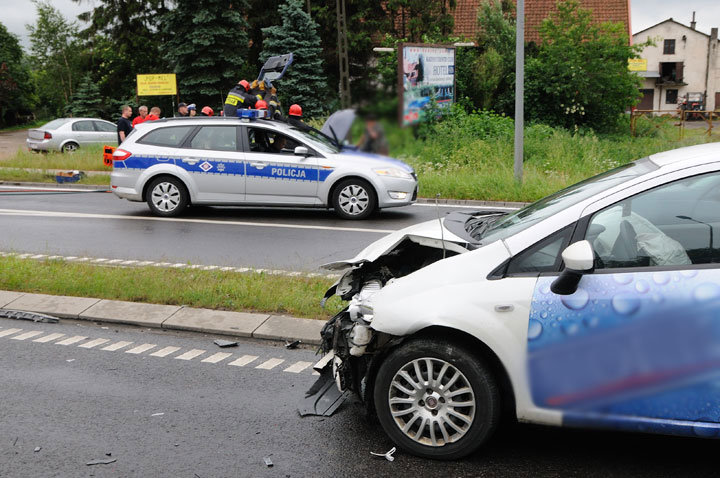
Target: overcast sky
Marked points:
645	13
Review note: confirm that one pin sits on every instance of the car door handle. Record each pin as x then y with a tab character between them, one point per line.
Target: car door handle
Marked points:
504	308
191	161
258	165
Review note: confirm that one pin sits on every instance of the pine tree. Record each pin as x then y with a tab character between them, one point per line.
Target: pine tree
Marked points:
304	83
207	44
86	100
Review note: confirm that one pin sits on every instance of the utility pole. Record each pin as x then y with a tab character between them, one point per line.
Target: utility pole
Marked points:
519	89
343	54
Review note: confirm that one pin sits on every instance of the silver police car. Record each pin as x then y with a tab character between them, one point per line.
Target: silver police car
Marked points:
176	162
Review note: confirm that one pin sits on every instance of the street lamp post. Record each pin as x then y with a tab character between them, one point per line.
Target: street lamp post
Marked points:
519	89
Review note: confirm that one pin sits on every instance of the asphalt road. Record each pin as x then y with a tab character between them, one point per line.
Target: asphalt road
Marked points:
99	225
161	416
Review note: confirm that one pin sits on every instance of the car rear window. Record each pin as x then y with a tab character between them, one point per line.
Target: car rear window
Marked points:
172	136
54	124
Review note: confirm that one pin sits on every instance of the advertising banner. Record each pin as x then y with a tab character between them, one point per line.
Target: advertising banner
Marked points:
426	75
153	85
637	64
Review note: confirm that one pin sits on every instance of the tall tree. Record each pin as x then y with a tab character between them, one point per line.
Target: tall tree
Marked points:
86	100
414	18
207	43
580	75
55	56
304	83
16	85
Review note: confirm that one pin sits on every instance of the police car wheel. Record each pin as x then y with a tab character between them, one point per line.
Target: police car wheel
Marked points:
354	199
436	400
167	197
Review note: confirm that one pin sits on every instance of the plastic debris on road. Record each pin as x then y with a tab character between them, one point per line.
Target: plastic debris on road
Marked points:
22	315
292	345
388	455
101	462
225	343
268	462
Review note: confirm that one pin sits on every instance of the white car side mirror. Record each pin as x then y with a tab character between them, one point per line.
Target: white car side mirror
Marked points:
302	151
579	259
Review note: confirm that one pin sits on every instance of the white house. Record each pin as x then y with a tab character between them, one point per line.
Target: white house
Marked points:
682	61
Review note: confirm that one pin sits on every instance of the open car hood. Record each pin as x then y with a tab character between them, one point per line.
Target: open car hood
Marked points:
338	124
427	233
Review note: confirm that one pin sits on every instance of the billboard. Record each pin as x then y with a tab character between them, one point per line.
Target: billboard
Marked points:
153	85
426	74
637	64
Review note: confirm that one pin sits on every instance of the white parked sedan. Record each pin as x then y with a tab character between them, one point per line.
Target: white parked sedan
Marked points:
177	162
69	134
597	306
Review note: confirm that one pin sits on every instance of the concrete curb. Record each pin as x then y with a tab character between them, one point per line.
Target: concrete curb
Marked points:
236	324
86	187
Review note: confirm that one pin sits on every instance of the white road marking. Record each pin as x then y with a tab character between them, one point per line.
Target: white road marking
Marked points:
6	332
191	354
116	346
244	360
164	352
49	338
215	358
297	367
28	335
140	349
93	343
270	364
82	215
72	340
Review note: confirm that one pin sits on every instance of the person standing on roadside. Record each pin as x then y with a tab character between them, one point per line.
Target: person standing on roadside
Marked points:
123	125
154	114
182	111
142	116
373	138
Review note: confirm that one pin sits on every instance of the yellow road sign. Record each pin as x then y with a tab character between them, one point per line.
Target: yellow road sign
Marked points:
152	85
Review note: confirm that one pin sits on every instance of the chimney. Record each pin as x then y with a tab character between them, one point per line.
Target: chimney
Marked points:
693	22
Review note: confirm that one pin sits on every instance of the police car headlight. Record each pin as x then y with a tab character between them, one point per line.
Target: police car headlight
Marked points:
393	173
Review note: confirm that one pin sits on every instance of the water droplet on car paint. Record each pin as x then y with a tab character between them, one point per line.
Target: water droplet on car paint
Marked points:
661	278
705	430
545	289
559	319
571	328
625	304
689	274
706	291
642	286
576	301
657	298
592	321
544	315
535	329
622	278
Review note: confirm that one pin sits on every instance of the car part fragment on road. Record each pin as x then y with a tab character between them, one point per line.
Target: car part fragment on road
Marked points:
37	449
388	455
101	462
225	343
22	315
292	345
268	462
323	399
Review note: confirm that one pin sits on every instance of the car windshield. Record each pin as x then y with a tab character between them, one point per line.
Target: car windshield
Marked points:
561	200
317	140
54	124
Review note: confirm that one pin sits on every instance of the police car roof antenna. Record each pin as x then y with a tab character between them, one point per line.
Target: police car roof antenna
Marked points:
442	232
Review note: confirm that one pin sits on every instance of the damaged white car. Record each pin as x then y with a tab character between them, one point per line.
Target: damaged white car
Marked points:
597	306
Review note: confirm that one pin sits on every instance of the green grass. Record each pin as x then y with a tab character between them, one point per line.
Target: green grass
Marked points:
87	158
21	175
258	292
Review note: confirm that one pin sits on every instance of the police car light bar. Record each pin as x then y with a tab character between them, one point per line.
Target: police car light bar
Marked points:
252	114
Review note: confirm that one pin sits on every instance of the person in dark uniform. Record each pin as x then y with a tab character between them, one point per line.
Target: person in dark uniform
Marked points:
124	126
238	98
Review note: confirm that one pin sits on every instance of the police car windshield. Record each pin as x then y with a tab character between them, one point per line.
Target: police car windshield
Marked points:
561	200
317	140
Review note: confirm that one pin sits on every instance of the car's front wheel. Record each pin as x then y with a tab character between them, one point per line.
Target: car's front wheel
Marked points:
354	199
167	197
436	400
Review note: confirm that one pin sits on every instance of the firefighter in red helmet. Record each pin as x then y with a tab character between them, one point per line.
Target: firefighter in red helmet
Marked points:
238	98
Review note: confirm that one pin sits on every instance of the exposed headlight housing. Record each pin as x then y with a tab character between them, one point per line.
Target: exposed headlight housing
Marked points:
393	173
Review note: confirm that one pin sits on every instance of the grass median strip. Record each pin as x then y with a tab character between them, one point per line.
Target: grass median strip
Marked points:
243	292
21	175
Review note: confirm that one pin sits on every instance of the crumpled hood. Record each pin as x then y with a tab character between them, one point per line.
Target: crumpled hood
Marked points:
426	233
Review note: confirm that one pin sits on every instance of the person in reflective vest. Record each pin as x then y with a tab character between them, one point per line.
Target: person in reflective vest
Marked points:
238	98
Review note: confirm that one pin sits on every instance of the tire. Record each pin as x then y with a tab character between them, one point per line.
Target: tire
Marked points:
70	147
416	415
354	199
167	196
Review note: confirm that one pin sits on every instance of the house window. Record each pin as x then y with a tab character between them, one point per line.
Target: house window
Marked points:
669	47
671	97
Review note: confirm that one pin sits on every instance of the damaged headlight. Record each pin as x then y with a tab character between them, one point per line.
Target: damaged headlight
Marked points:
361	304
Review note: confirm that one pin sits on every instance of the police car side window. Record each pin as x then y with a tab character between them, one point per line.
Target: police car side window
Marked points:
262	140
218	138
170	137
